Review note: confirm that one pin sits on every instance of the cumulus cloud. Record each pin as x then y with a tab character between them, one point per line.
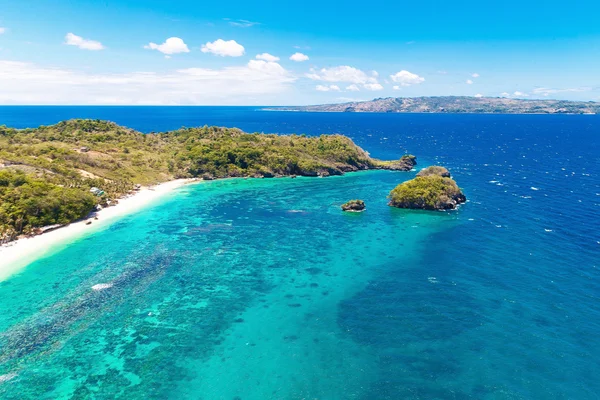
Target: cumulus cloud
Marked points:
257	82
396	87
520	94
373	86
406	78
347	74
343	73
475	75
85	44
223	48
271	68
299	57
2	30
330	88
267	57
353	88
479	95
172	45
505	94
469	82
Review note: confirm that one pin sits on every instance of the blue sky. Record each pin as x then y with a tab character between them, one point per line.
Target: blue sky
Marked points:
194	52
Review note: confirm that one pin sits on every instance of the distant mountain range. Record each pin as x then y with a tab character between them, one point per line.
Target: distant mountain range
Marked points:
455	104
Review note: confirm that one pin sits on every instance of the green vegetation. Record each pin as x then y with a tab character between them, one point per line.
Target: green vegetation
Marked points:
354	206
405	163
27	202
48	171
432	192
434	170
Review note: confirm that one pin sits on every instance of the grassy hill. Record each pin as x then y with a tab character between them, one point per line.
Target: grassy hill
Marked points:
46	173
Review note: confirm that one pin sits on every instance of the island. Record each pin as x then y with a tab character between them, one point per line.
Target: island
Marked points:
431	189
354	206
54	175
455	104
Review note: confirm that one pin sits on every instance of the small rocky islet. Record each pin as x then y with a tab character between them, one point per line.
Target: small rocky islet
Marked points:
354	206
432	189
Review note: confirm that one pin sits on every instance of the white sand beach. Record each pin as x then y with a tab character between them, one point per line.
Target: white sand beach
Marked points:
17	254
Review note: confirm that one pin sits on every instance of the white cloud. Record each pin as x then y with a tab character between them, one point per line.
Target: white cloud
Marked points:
299	57
220	47
479	95
469	82
172	45
475	75
345	73
241	23
330	88
342	73
375	74
405	78
257	82
85	44
505	94
266	67
520	94
373	86
396	87
267	57
2	30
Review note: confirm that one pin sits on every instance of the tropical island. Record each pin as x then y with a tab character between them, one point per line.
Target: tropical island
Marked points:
432	189
455	104
54	175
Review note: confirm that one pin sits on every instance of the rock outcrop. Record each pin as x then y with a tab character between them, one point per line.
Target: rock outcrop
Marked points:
435	170
405	163
354	206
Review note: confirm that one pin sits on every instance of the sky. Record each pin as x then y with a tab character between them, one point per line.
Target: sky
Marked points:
311	52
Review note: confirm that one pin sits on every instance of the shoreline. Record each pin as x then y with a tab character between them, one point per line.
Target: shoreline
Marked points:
17	254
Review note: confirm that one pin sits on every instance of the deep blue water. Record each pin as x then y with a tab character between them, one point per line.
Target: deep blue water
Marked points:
499	300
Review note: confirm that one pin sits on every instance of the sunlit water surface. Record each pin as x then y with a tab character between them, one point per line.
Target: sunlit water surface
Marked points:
264	289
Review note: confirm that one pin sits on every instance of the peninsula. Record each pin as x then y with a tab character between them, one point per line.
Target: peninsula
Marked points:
455	104
54	175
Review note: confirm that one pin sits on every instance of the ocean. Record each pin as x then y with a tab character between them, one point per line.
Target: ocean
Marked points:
263	289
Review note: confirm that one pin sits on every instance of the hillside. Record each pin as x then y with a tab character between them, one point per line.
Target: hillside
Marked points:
457	104
46	173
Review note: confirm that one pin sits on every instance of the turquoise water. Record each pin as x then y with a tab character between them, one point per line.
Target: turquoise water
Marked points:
229	288
264	289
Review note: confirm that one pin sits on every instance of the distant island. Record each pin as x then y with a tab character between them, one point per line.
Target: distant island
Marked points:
54	175
455	104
